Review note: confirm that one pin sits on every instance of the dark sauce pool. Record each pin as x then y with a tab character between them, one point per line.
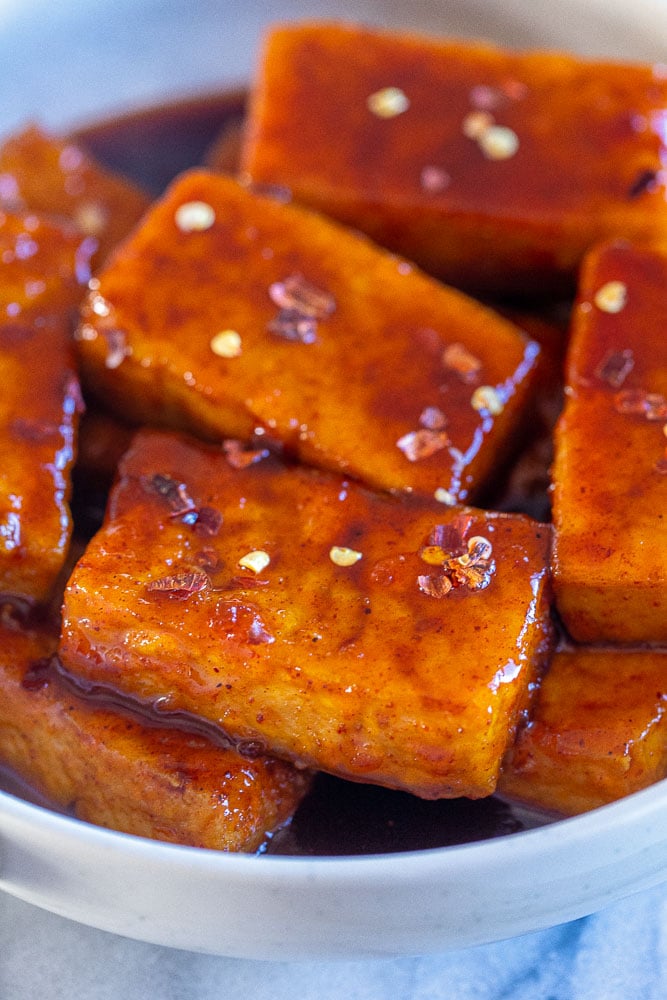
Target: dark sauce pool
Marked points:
337	818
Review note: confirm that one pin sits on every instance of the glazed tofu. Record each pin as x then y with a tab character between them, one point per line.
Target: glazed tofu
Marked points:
233	315
387	640
610	469
43	267
493	170
596	731
115	771
42	173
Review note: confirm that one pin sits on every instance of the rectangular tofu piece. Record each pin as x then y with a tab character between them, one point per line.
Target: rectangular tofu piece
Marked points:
114	770
233	315
610	468
43	267
55	176
493	170
386	640
596	731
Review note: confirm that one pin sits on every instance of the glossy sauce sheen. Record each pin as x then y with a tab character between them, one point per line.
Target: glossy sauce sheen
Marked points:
338	817
572	153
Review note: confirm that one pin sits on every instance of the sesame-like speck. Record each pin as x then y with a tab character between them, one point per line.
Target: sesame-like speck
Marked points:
91	217
611	297
342	556
388	102
485	397
194	216
444	496
257	560
476	123
226	344
497	142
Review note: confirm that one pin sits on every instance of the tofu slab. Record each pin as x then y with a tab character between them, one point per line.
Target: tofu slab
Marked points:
492	169
115	771
43	267
610	469
596	731
385	640
232	315
53	176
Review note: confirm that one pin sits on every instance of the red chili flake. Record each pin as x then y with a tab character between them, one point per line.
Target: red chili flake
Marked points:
295	293
615	367
292	325
208	521
461	564
649	405
207	559
451	537
432	418
301	306
240	456
422	443
460	360
646	180
435	585
175	493
181	585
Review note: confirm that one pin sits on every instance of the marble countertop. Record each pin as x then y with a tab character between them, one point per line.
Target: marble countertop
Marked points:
96	57
618	954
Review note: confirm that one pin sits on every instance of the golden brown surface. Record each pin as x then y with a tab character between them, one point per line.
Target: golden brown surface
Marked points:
596	731
112	770
49	175
344	355
359	668
610	471
441	180
42	268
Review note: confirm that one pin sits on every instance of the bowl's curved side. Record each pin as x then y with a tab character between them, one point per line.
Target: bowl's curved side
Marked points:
297	908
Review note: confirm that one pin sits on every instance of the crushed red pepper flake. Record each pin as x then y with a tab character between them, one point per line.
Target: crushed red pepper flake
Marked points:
636	402
615	367
240	455
463	564
432	418
175	493
422	443
297	293
180	585
459	359
435	585
302	305
208	522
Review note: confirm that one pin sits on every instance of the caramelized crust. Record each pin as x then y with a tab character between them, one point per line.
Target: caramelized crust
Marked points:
610	470
385	640
596	731
229	314
112	770
56	177
493	170
42	268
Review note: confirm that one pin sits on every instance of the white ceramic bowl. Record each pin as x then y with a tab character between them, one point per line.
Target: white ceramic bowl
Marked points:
283	907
